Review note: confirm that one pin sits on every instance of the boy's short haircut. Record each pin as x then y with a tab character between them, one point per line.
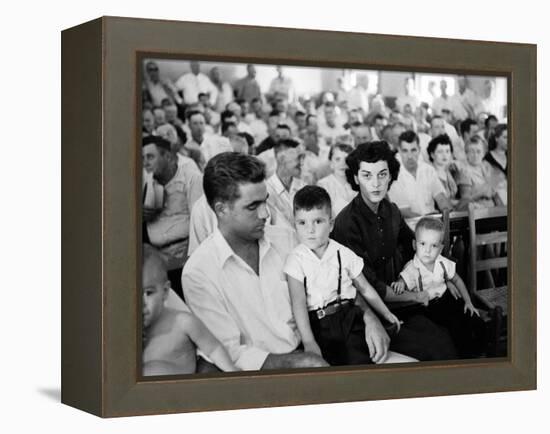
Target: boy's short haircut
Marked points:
430	223
312	197
152	255
341	147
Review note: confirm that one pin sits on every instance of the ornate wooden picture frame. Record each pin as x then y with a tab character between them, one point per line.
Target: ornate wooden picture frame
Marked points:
101	216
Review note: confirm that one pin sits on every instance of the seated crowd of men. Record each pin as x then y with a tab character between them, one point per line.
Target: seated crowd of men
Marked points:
452	152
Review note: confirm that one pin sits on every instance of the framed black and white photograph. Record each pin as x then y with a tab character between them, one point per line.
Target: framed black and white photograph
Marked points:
283	216
388	186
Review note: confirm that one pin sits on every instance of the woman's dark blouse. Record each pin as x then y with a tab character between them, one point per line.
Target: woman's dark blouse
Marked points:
383	240
491	160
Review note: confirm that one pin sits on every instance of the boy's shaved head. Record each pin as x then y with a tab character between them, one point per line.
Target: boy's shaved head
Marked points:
155	285
155	264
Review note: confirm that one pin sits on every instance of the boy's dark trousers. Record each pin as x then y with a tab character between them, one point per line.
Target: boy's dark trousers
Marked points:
341	336
468	332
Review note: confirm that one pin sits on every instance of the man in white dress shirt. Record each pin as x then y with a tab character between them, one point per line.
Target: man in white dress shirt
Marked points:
418	187
195	82
209	145
234	281
285	182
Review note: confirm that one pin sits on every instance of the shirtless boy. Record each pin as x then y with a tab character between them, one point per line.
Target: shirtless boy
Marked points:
171	337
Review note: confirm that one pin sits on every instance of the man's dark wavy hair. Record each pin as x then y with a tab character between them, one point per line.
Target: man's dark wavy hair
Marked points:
224	173
371	152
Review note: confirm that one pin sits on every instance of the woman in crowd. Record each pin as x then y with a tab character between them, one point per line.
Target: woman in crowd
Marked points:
497	157
440	153
336	184
476	181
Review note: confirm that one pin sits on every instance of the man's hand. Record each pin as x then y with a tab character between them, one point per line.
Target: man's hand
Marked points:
150	214
376	337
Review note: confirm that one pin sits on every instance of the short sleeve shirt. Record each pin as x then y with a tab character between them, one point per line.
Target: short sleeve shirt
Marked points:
433	282
322	273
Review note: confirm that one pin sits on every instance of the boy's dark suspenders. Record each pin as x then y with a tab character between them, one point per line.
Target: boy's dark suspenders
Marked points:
324	311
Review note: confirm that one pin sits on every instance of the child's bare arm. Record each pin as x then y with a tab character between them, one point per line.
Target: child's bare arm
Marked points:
206	341
468	306
373	299
299	310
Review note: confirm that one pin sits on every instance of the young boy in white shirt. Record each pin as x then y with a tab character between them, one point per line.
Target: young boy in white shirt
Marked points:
322	277
434	277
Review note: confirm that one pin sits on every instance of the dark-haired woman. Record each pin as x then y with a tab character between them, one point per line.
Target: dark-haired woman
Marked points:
374	229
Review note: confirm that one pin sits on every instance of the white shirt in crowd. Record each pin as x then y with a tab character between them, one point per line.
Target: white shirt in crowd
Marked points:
403	100
418	193
280	200
192	85
249	314
211	145
203	222
322	273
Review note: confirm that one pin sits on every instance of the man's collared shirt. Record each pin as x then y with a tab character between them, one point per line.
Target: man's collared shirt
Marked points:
383	240
172	225
280	200
192	85
249	314
433	282
211	146
417	193
248	89
283	86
